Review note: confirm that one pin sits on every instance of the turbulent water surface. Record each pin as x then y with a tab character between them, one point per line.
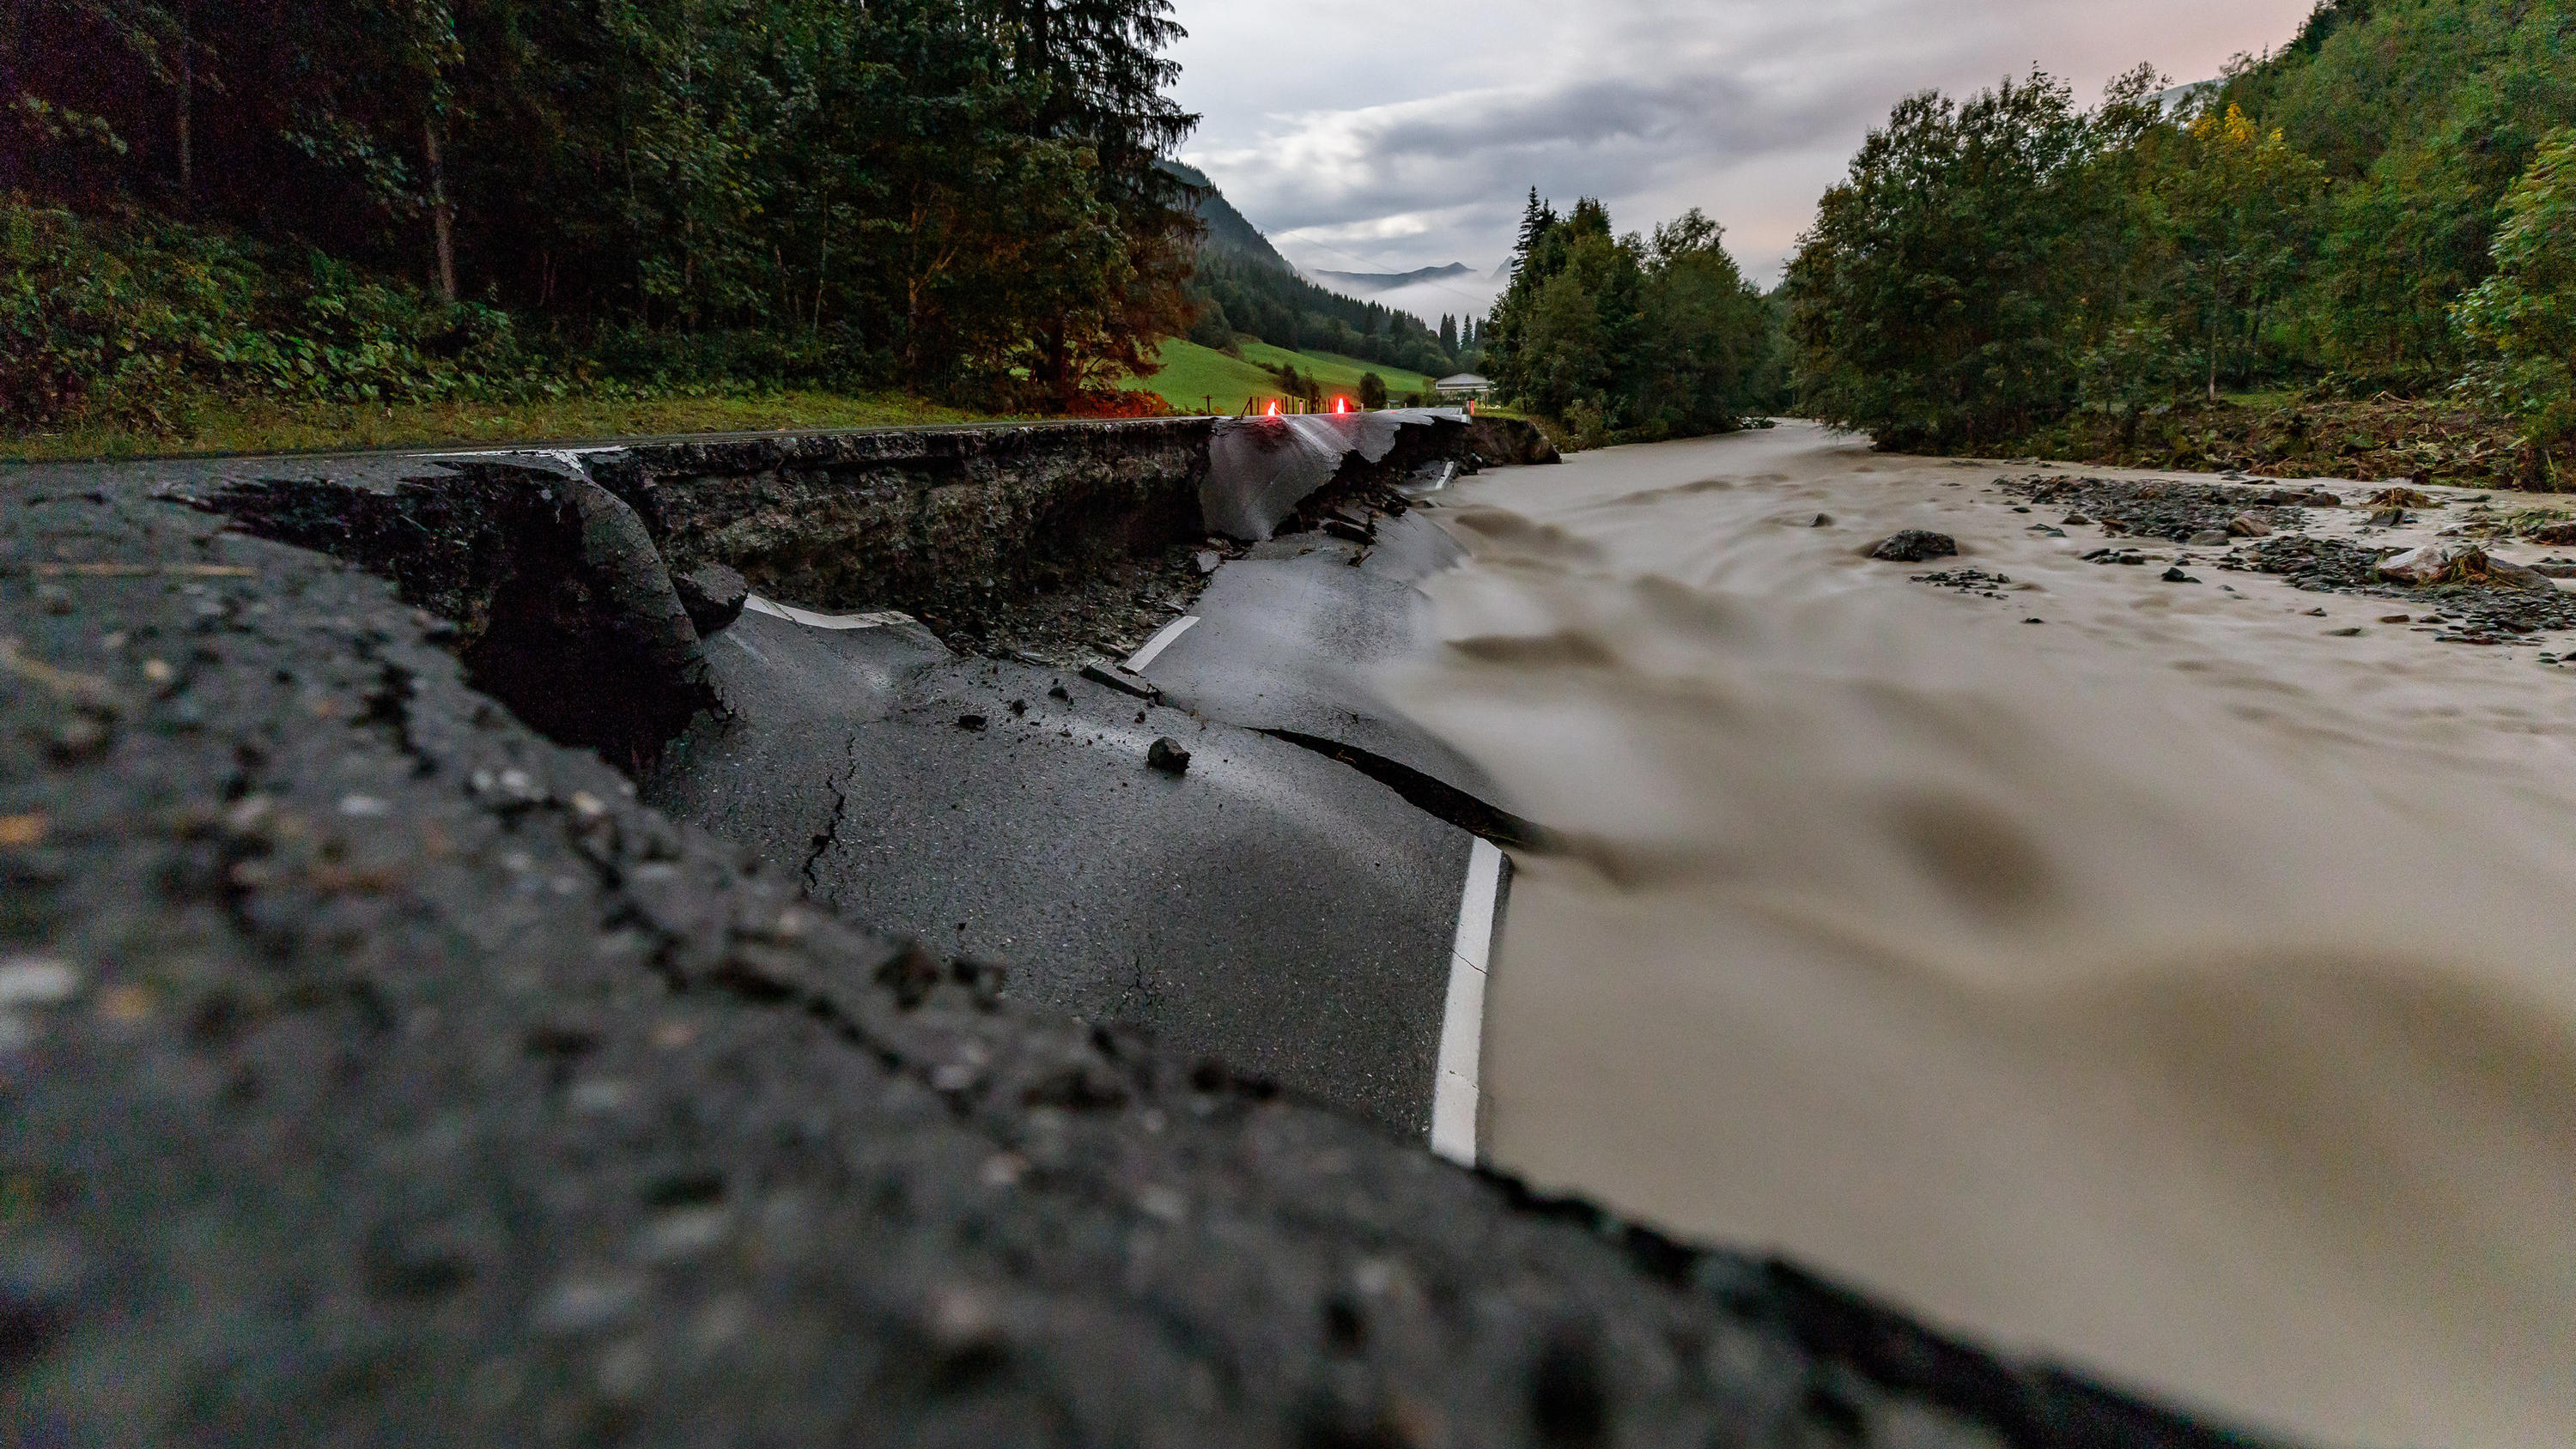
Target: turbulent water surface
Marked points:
2171	986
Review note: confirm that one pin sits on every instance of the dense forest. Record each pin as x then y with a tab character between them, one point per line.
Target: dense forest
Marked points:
2385	207
1634	337
397	198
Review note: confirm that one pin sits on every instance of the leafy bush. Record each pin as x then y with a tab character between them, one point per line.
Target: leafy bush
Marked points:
120	320
2525	314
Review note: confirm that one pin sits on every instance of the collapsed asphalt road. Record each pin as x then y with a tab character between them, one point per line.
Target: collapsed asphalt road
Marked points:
379	1071
1268	906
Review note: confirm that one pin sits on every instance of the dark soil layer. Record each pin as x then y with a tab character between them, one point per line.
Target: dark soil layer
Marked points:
1114	607
1109	612
2368	441
940	522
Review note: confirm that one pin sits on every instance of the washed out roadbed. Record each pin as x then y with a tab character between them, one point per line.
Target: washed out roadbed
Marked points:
380	1072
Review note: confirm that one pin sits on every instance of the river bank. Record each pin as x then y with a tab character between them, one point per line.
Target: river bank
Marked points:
2419	440
2169	971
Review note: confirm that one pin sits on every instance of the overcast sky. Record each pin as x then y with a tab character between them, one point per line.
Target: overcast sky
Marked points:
1386	136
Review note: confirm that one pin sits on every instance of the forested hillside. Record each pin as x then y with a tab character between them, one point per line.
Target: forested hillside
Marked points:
2421	114
417	197
1227	230
1244	288
1239	294
2385	208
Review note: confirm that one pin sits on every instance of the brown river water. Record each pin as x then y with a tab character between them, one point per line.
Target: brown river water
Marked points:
2169	988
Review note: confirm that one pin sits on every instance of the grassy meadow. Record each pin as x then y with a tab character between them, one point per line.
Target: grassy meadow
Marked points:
1198	379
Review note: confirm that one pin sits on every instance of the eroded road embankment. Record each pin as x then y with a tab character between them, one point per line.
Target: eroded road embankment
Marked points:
380	1070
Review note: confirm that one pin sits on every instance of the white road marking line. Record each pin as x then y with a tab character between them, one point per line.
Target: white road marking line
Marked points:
1462	1024
758	605
1161	641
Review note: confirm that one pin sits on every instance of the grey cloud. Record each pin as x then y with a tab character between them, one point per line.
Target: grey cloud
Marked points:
1417	146
1592	136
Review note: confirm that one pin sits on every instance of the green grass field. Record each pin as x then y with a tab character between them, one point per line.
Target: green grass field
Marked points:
1197	379
223	426
1191	376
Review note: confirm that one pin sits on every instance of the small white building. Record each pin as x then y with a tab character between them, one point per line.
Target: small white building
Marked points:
1465	384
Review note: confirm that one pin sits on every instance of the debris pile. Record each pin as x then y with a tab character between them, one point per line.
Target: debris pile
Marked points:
1968	581
2478	600
2182	512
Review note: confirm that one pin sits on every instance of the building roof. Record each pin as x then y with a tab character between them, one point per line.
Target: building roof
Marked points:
1463	380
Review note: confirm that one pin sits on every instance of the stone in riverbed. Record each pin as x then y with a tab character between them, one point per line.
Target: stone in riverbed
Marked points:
2455	563
2208	538
2246	525
1914	545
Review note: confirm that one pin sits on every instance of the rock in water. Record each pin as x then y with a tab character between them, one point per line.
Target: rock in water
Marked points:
2246	525
2458	563
2515	576
1915	545
2208	538
713	595
2431	564
1168	756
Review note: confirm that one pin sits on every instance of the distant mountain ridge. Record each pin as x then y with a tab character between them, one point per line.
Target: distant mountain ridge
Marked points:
1389	281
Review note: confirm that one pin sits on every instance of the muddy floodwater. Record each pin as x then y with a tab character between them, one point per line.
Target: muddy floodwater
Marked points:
2181	985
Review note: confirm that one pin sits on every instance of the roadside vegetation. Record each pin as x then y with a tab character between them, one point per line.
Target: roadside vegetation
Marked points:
2375	224
229	218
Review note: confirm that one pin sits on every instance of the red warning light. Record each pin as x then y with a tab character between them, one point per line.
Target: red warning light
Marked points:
1341	404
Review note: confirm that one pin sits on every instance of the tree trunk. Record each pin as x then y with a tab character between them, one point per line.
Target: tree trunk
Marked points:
187	109
822	273
11	25
442	216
